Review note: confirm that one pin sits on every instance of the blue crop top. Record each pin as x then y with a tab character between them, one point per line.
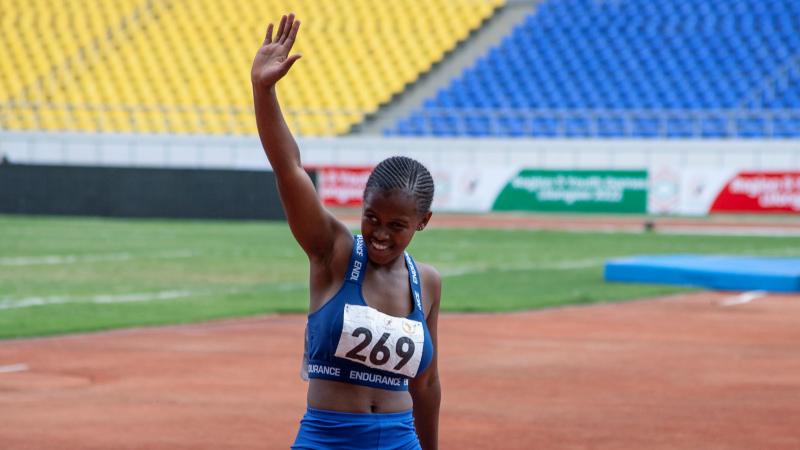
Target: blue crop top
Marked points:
351	342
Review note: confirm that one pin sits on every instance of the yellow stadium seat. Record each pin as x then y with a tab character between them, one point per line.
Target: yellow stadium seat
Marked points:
183	66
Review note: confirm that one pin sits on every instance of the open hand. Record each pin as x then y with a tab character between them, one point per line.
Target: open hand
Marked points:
272	60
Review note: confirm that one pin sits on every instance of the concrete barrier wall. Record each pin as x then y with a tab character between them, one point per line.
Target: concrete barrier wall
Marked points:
244	152
469	172
138	192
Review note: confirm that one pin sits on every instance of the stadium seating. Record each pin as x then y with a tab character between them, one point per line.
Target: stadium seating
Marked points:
639	68
183	66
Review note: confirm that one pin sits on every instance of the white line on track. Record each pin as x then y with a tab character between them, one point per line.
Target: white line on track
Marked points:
744	297
72	259
730	231
13	303
11	368
26	302
569	264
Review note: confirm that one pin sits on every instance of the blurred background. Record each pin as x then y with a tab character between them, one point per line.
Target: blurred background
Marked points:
683	107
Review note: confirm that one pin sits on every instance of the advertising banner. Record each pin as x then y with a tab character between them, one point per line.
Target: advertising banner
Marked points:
342	186
458	188
469	189
606	191
703	191
760	192
660	190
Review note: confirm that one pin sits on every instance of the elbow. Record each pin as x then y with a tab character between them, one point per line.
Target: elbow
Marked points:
432	382
425	385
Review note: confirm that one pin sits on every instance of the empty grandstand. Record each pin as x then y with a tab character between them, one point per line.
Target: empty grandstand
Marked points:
630	68
182	66
569	68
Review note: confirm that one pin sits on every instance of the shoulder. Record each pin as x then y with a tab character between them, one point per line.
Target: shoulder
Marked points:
431	285
429	273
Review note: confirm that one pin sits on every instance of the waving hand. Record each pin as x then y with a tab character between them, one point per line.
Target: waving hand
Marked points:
272	61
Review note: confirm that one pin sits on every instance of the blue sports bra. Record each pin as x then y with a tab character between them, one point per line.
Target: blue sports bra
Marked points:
351	342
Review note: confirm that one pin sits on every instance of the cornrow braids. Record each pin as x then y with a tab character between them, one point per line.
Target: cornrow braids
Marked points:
405	174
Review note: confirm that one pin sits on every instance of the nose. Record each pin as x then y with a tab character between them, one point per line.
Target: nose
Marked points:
381	233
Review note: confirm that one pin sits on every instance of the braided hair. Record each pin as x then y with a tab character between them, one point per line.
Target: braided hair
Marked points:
404	174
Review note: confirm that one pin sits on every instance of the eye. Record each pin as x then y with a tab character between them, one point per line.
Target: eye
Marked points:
371	218
397	226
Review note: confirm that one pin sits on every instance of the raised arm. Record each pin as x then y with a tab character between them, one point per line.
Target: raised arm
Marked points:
314	228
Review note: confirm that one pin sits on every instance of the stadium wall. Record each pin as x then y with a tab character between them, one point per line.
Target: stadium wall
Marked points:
244	152
138	192
472	173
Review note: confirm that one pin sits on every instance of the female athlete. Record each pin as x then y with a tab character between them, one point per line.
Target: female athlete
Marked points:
371	332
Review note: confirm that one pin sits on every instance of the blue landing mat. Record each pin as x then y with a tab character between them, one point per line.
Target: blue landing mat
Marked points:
734	273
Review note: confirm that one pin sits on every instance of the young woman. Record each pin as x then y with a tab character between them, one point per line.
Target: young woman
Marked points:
371	330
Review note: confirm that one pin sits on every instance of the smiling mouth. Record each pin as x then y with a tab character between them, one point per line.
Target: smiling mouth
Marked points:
378	246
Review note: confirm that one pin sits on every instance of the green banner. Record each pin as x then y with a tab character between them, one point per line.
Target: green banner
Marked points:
596	191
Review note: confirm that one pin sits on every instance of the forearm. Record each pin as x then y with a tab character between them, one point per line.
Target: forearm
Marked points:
427	400
278	142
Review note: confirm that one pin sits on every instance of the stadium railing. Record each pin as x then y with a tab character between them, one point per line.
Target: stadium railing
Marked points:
431	122
602	123
224	120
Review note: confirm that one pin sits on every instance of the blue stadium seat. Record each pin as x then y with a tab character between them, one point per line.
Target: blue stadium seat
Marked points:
680	127
544	127
680	62
752	127
714	127
512	126
787	128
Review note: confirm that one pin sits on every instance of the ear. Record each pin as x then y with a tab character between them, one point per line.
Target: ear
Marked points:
424	222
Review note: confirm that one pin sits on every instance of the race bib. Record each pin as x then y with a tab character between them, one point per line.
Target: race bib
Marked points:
381	341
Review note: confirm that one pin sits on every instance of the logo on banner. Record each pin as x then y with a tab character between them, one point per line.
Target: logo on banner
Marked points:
664	195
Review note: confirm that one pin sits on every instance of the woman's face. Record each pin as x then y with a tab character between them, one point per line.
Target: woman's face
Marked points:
388	223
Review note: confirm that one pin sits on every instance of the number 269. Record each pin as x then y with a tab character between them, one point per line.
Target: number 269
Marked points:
380	353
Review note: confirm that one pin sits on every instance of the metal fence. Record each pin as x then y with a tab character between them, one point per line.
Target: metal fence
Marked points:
444	122
596	123
176	119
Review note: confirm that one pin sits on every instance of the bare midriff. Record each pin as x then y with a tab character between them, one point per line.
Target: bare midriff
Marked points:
344	397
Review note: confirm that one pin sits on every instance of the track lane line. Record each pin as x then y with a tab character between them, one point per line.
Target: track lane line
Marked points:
744	297
13	368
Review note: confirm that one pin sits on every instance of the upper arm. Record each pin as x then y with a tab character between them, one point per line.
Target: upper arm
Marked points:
431	294
431	288
314	227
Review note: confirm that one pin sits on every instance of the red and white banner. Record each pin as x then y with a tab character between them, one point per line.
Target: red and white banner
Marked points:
702	191
672	190
457	188
754	192
342	186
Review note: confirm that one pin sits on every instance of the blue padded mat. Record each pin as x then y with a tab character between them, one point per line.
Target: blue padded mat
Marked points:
735	273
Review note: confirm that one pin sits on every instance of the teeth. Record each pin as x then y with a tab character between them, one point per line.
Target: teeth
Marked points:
379	246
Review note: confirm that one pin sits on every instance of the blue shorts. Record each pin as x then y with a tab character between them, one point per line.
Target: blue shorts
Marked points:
323	430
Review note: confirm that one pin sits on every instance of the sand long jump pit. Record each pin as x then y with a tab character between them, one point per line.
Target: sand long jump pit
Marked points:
695	371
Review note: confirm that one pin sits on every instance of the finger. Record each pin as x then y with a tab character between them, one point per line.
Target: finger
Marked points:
293	33
290	62
268	37
288	29
280	29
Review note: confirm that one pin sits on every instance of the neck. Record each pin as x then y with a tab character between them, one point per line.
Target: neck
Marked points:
397	263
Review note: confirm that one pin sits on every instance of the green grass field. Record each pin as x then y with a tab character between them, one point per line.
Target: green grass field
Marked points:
61	275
